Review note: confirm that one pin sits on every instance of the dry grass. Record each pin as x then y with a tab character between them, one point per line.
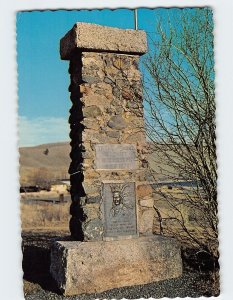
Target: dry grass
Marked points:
181	219
45	216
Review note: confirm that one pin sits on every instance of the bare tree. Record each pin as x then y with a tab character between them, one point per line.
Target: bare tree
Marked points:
180	118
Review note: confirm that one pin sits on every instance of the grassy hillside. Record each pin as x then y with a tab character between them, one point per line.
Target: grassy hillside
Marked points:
51	161
48	161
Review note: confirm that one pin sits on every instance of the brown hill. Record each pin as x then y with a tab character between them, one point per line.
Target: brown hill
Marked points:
44	162
51	161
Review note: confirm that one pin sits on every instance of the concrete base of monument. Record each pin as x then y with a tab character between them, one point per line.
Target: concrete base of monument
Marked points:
93	267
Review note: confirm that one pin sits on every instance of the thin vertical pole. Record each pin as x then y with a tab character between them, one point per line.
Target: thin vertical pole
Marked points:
135	19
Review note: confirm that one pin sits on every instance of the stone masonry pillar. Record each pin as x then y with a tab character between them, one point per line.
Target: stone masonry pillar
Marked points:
106	120
112	203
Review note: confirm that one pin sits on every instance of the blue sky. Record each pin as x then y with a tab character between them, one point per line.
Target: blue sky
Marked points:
43	78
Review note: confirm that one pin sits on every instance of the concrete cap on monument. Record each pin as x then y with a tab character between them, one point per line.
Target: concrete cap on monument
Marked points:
92	37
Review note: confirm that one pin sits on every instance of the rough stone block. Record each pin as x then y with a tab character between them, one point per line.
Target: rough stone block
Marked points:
90	267
91	111
144	190
147	202
145	223
117	122
88	36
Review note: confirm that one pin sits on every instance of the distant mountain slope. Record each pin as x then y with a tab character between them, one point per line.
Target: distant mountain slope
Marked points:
52	160
47	155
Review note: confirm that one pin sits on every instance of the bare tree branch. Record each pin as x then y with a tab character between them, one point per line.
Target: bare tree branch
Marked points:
180	118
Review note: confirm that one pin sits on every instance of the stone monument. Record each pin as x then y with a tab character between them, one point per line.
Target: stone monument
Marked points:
112	204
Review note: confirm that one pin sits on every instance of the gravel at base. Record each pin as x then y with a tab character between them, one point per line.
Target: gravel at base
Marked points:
186	286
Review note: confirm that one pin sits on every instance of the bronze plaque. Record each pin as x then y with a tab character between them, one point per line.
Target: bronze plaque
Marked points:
116	157
119	205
